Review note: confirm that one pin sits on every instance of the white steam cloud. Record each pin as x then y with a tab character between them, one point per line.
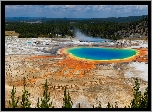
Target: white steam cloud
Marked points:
83	37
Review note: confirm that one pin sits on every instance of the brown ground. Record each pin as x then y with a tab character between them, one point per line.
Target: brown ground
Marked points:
11	33
87	82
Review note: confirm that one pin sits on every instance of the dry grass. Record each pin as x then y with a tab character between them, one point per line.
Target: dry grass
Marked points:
11	33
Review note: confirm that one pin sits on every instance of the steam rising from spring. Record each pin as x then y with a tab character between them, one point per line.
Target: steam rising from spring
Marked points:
80	36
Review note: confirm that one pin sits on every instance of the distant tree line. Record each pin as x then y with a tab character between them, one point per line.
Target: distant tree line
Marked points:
44	19
61	28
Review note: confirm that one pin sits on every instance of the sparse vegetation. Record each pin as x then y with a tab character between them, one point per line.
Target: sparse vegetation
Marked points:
25	101
46	98
13	103
139	100
67	103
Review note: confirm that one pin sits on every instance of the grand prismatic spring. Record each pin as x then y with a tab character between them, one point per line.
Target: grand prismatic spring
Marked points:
103	54
83	59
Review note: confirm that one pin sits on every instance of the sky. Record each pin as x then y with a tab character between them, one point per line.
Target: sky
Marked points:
75	11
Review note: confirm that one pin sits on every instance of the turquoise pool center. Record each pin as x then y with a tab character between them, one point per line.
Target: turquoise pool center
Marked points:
97	53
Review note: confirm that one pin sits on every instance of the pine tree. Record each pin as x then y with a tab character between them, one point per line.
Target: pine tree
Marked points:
13	103
108	106
139	100
46	98
67	103
144	102
25	101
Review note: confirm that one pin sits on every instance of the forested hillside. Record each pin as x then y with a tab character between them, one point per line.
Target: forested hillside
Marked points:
91	27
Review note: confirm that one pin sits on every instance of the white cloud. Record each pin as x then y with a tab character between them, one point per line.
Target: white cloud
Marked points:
69	6
141	7
78	9
11	7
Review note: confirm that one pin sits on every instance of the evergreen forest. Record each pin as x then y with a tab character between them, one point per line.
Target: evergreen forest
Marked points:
53	28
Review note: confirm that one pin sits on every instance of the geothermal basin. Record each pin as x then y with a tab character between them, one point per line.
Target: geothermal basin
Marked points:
88	80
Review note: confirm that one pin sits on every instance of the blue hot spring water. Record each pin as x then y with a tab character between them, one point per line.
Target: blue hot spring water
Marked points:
95	53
